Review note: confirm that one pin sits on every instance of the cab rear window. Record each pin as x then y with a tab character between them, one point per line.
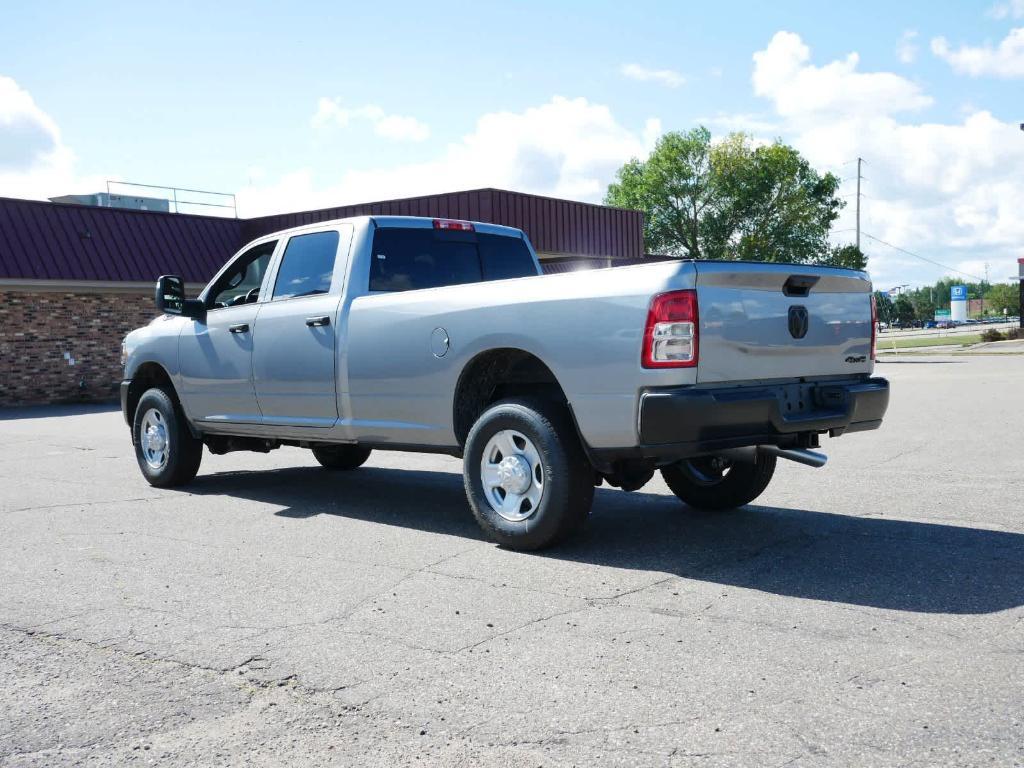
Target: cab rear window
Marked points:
410	259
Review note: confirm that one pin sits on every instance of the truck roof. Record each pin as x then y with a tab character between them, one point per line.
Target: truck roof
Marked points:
406	222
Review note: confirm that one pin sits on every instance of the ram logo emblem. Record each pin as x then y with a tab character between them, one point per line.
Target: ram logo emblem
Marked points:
798	319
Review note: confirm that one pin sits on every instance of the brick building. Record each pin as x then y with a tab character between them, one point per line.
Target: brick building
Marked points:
74	279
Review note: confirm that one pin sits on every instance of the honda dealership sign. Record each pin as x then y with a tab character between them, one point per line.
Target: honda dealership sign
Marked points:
958	303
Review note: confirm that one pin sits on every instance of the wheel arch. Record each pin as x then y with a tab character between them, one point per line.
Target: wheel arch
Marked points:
498	373
146	376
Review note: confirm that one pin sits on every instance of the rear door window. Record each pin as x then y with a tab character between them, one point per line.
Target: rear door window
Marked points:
307	265
411	259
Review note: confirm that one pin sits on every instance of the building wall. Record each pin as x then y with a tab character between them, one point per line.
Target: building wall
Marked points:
60	347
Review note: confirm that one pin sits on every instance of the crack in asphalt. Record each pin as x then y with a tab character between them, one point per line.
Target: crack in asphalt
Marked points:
80	504
151	657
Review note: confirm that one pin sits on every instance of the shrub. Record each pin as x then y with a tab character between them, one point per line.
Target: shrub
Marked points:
1014	333
991	334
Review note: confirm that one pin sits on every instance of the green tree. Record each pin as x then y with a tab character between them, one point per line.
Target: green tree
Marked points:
924	306
849	256
884	305
730	200
903	310
1002	296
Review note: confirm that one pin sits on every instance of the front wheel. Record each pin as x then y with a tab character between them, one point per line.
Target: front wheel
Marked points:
715	483
527	479
167	452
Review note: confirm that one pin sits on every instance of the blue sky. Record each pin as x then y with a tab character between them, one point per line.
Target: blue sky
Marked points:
329	102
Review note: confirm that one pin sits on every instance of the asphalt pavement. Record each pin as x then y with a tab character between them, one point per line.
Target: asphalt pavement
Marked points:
274	613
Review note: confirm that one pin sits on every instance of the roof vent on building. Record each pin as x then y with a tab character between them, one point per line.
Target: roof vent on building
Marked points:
107	200
173	200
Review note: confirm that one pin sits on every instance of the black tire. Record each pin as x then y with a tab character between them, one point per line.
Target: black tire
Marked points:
183	452
560	467
342	457
703	485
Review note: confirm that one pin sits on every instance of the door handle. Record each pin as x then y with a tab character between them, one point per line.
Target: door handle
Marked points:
315	322
240	328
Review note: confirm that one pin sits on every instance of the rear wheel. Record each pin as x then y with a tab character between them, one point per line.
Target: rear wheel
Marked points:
167	452
341	456
527	479
713	482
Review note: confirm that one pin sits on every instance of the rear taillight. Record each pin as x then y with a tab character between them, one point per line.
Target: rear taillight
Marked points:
453	224
874	326
671	335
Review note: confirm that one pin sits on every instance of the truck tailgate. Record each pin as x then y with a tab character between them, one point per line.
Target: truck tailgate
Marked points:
781	321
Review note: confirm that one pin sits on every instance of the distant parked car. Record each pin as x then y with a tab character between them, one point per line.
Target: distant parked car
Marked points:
931	324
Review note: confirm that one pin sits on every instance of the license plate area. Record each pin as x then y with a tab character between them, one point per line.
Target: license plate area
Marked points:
796	400
799	401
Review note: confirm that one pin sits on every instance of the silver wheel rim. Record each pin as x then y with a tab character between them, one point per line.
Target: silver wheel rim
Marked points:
153	437
512	475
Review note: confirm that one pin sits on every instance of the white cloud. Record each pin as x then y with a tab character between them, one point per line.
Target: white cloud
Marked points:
666	77
798	89
330	112
906	48
742	122
566	148
34	161
1004	60
1011	9
949	191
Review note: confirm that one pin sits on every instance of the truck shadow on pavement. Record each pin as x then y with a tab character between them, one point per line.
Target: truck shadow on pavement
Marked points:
865	561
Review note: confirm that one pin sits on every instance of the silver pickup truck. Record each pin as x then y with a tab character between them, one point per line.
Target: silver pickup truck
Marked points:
415	334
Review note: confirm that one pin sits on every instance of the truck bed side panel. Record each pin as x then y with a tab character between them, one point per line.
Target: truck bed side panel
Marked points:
586	327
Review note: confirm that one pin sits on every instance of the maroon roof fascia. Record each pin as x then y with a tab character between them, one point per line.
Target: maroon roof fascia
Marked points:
553	225
62	241
59	241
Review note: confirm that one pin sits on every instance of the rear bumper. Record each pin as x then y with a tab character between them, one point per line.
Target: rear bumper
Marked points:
689	421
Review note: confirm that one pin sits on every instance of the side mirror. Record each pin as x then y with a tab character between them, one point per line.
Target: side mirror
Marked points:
170	298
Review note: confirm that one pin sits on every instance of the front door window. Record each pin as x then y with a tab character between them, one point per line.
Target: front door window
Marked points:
241	283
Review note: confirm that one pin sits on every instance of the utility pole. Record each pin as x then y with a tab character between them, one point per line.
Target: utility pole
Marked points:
860	161
983	292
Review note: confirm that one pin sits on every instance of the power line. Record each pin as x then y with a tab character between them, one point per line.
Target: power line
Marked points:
923	258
